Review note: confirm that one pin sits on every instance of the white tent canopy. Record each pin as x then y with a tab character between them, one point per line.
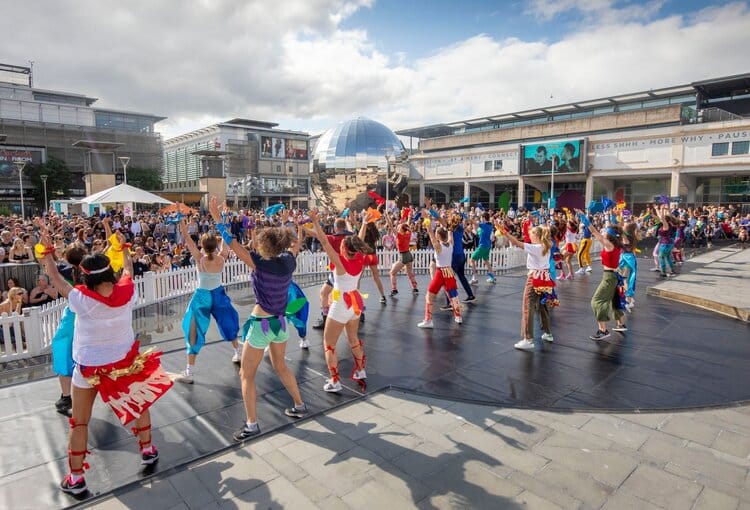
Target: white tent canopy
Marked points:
124	193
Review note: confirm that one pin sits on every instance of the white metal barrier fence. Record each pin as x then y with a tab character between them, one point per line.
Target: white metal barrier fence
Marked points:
30	334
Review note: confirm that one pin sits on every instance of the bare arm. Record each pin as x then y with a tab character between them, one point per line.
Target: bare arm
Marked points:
191	246
56	279
323	238
238	249
298	244
511	238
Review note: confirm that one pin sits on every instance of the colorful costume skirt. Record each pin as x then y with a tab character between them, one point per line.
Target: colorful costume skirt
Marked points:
130	386
202	306
544	285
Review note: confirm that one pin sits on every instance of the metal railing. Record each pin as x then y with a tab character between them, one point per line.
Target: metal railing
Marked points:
30	334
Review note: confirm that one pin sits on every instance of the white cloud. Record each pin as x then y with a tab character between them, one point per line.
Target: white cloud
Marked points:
292	62
599	11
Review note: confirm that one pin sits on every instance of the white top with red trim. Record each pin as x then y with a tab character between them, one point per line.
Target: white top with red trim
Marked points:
443	259
102	334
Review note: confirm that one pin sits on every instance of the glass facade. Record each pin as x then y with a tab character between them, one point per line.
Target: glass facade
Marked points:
124	121
686	100
723	190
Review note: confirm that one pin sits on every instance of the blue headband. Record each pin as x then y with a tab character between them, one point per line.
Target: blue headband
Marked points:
611	231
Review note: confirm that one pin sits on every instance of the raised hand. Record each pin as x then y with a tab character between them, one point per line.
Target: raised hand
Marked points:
213	208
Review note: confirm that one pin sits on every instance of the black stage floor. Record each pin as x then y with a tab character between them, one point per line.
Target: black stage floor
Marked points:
673	357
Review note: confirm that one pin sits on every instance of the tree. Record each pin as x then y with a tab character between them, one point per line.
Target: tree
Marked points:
59	180
145	178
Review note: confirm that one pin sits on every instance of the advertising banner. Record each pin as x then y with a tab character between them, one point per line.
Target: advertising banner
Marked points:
9	155
565	157
282	148
296	149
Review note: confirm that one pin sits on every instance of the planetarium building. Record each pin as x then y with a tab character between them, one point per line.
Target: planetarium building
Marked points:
354	157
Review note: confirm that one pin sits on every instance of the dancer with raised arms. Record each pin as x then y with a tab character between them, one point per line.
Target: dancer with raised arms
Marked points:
347	303
209	299
107	358
273	261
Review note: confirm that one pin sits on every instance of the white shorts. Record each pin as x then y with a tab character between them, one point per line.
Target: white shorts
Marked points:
78	380
340	313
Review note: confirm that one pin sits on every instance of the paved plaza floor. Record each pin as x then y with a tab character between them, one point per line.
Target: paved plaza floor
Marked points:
396	450
674	361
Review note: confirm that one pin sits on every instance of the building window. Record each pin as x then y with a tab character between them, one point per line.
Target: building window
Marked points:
740	148
720	149
278	169
291	168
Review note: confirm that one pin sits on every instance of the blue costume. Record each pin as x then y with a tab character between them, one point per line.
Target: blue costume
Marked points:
62	345
628	259
209	299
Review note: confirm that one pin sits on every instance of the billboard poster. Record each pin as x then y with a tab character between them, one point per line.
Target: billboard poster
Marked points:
282	148
296	149
565	157
272	147
9	155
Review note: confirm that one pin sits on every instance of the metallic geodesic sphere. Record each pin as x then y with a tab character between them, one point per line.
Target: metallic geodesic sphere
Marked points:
351	159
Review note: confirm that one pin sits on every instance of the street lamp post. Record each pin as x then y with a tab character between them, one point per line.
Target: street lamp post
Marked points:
20	165
124	160
44	182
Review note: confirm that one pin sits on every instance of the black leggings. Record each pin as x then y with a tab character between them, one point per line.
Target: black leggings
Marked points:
458	264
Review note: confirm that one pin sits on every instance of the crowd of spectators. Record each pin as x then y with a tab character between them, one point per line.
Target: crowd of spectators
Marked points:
157	244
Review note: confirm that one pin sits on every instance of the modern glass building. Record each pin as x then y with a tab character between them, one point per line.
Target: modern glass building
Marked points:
36	124
689	142
250	162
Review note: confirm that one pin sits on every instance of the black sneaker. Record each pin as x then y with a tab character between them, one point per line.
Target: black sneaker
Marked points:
620	328
362	318
600	335
150	458
297	411
64	405
415	291
246	433
394	292
73	488
446	308
382	300
470	299
321	323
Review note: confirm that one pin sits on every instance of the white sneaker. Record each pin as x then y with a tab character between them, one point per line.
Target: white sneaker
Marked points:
458	320
588	269
425	325
654	269
548	337
491	280
359	374
184	377
473	280
304	343
580	271
525	345
236	358
332	387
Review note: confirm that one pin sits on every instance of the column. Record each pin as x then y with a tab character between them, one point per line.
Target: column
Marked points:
674	185
521	192
467	189
421	194
589	189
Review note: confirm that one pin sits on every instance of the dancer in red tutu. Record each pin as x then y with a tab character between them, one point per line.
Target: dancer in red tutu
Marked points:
108	362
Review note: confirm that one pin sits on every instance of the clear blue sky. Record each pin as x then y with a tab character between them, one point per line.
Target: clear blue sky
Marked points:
421	27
